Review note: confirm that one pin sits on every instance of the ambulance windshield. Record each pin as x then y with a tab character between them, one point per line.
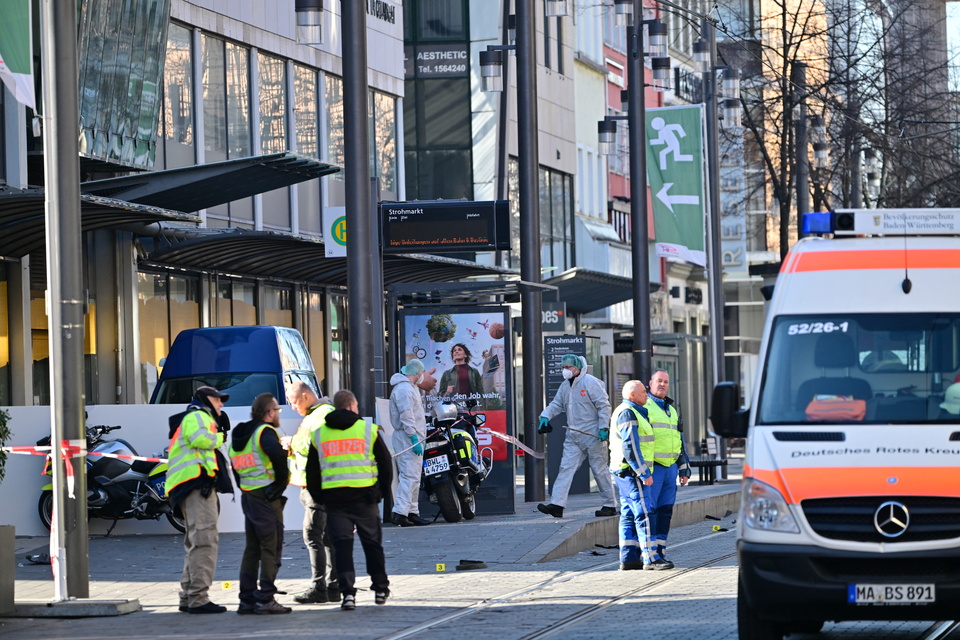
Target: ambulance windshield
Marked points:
862	368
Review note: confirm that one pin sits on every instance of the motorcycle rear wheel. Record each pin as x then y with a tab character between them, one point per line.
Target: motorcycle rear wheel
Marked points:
449	501
45	508
468	506
177	523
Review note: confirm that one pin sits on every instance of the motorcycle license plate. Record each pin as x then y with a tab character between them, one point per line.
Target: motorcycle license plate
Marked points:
436	465
891	593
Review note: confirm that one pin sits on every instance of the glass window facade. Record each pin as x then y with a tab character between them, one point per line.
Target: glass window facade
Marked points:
556	219
438	20
438	126
120	58
167	304
305	111
177	113
228	118
273	104
214	61
278	306
334	105
238	100
383	137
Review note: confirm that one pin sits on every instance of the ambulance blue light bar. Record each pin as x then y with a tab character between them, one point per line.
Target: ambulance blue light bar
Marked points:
874	222
816	223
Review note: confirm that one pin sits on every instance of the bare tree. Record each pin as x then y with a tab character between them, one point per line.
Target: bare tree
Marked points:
877	75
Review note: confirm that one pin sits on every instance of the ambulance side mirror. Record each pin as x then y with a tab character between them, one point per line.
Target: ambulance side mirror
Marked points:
729	421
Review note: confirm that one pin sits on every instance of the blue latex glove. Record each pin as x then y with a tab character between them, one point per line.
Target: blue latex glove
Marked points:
417	446
604	434
544	426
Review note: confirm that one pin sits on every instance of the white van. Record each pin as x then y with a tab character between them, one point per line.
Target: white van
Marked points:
851	490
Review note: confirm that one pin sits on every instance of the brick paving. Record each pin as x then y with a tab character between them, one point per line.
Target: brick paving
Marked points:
700	604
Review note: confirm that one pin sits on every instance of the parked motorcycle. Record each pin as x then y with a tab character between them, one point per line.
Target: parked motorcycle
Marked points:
116	489
453	466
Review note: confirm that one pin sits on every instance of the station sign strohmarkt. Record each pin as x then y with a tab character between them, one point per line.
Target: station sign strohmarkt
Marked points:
445	225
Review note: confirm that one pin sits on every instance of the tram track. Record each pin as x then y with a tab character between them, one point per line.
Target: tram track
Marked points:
572	619
942	630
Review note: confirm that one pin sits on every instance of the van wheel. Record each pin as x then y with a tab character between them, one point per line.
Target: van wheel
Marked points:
751	626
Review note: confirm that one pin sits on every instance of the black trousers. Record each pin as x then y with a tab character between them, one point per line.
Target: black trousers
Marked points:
263	524
341	521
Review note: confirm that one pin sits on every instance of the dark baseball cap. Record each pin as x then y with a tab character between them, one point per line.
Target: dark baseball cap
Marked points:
210	392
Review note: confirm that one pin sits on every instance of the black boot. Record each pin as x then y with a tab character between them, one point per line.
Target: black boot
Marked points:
551	510
401	520
417	520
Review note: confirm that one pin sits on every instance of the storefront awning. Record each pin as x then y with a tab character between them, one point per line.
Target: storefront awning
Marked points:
23	226
276	255
207	185
585	291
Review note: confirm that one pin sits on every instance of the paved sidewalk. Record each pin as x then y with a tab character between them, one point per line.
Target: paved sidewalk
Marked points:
514	547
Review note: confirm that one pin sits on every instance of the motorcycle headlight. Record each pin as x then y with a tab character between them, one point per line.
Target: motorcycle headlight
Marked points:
765	509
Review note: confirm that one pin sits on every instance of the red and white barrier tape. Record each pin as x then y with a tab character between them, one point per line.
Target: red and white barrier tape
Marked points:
70	451
536	454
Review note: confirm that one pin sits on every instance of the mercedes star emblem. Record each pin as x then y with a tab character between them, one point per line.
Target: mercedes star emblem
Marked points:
891	519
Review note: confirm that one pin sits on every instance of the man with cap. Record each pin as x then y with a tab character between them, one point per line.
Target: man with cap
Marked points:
409	427
191	484
587	405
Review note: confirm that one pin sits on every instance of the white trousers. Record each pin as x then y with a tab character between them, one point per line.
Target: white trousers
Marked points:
409	469
574	452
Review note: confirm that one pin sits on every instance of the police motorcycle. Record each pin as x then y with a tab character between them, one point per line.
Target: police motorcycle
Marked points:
117	489
453	466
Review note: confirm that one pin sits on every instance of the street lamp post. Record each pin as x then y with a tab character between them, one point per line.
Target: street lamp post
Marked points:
531	302
630	13
491	62
705	54
362	295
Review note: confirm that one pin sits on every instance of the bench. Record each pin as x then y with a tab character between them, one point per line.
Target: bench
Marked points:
707	462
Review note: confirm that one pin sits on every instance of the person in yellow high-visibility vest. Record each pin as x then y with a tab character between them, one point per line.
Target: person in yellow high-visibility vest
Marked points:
347	467
260	467
670	461
191	485
323	575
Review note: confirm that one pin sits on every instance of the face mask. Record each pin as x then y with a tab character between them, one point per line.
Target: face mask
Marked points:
420	378
567	374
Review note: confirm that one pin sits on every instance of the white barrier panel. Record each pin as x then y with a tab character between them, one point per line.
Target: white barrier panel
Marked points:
145	428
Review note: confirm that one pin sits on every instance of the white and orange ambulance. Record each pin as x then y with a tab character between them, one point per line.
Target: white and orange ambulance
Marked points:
851	490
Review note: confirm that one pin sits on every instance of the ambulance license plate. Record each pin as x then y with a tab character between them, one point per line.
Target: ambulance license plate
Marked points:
436	465
889	594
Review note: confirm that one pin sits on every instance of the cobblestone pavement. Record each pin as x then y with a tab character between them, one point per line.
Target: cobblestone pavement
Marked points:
515	597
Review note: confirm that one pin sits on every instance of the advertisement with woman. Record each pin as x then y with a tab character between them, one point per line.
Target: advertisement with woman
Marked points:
467	350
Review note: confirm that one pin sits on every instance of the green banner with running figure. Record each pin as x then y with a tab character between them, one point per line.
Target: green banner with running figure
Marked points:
16	47
675	166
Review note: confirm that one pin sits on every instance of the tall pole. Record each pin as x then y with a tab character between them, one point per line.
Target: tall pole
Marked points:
853	113
65	298
715	265
502	115
378	346
530	300
361	290
636	122
799	81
